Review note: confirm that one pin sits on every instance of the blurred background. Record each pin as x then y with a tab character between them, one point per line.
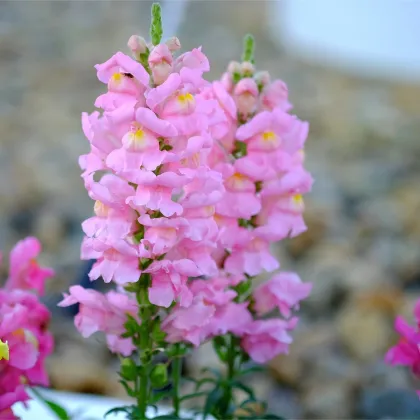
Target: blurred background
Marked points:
353	71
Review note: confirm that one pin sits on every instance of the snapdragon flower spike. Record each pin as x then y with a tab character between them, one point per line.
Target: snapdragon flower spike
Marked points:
23	327
156	198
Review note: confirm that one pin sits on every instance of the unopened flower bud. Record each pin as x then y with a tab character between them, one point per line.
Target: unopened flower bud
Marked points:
160	62
137	45
262	78
246	95
173	44
247	69
234	67
226	81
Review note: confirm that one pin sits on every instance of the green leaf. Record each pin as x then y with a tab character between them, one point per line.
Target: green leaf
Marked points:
58	410
250	370
54	407
131	325
159	395
193	395
157	333
131	392
166	417
204	381
220	348
243	387
214	371
159	375
118	410
212	401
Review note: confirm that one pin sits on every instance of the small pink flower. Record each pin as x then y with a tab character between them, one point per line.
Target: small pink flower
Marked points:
275	95
266	339
169	282
160	62
284	291
162	234
99	312
406	352
116	261
251	257
211	313
156	192
240	199
187	324
194	59
25	273
23	324
121	63
268	131
123	346
111	191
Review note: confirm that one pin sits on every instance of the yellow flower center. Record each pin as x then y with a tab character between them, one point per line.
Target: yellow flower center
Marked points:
185	98
117	77
4	350
269	136
100	209
298	200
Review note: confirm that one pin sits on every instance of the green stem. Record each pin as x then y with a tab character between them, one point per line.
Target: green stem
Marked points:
145	348
176	376
230	361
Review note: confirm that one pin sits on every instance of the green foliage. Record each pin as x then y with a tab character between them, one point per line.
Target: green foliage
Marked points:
249	46
159	375
58	410
156	30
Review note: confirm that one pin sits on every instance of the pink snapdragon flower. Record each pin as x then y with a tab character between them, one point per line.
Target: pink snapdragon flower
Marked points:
265	339
23	325
275	95
407	351
106	313
251	256
283	291
169	282
25	272
212	312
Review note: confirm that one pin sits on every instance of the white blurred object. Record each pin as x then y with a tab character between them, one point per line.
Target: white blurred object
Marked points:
81	406
379	38
173	12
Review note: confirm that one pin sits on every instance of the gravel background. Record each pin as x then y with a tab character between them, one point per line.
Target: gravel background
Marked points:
362	250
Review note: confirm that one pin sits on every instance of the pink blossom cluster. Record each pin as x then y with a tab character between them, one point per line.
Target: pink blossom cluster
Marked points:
407	351
258	150
23	325
192	182
155	200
